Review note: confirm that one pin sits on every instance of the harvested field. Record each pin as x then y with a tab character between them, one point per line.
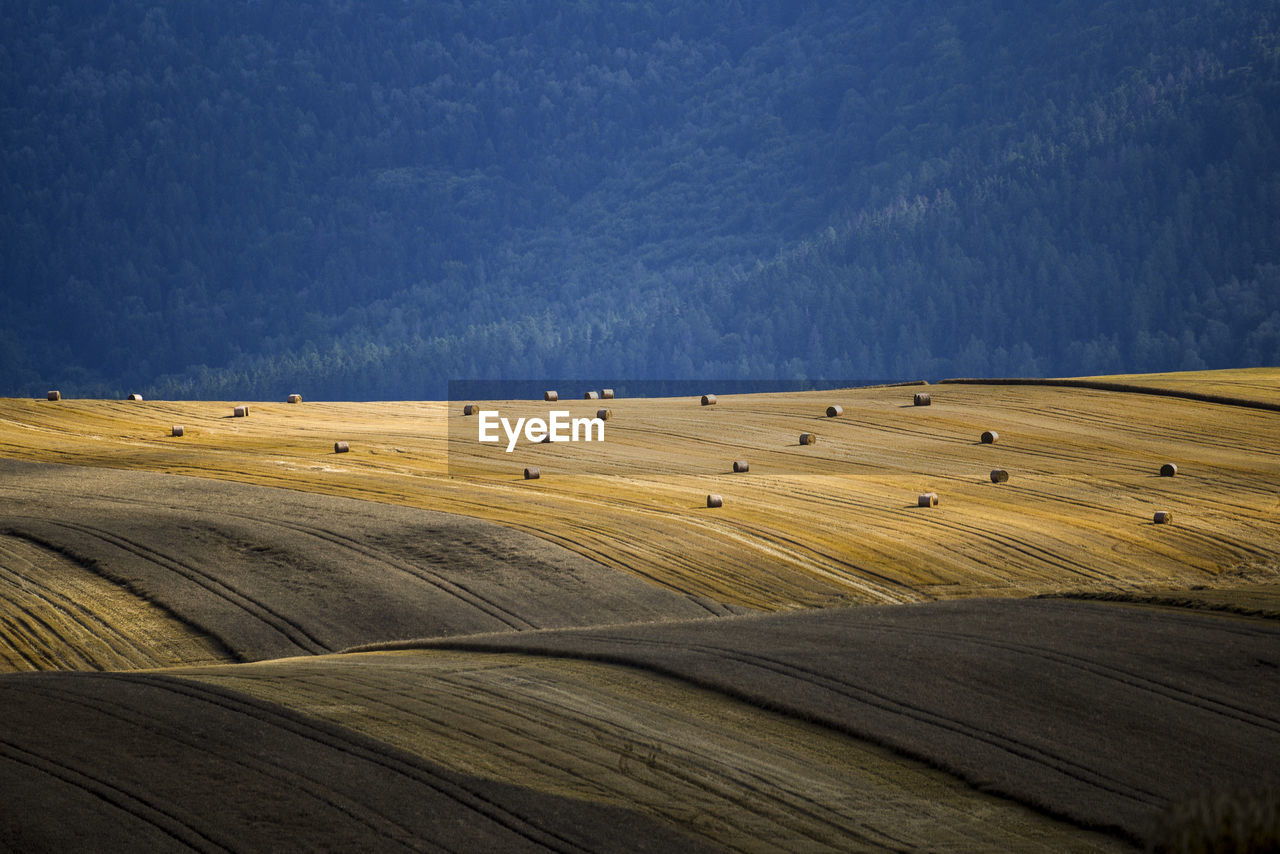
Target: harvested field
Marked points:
692	758
59	614
1257	384
262	573
812	526
315	651
152	763
1017	697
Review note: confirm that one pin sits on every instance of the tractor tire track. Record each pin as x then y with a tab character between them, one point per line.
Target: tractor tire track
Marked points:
161	729
335	738
133	804
523	711
447	586
89	626
296	634
859	694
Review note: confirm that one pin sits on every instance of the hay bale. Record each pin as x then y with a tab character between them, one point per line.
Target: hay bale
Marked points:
708	400
240	412
341	447
532	473
134	396
999	476
177	430
808	438
1162	517
741	465
714	500
591	395
551	396
55	395
294	398
606	393
833	411
927	499
1168	470
922	399
604	414
990	437
470	409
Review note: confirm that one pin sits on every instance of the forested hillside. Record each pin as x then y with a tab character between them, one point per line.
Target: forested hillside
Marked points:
361	200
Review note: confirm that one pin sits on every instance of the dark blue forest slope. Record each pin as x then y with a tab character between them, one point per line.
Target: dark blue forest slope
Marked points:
359	200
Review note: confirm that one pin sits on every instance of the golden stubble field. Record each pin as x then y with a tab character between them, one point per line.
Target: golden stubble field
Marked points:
807	525
341	665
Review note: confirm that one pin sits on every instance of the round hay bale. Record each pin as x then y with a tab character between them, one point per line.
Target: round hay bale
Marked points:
999	476
741	466
708	400
604	414
714	500
922	399
606	393
470	409
1168	470
927	499
55	395
808	438
532	473
551	396
341	447
990	437
177	430
833	411
240	412
134	396
1162	517
294	398
591	395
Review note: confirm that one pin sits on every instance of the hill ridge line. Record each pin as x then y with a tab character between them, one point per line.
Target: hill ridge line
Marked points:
1102	385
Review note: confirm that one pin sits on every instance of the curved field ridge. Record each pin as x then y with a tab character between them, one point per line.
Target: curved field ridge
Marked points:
721	770
1100	713
149	763
61	615
269	572
809	526
1150	386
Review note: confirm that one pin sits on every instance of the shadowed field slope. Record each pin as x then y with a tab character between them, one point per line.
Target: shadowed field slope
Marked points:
808	525
148	763
720	769
267	572
1101	713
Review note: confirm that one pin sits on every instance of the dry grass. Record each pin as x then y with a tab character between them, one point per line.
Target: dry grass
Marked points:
689	757
1257	384
808	527
744	733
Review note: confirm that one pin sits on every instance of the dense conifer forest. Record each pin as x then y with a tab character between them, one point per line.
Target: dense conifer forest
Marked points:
217	199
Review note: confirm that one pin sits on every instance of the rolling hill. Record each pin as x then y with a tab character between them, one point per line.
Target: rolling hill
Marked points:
243	640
